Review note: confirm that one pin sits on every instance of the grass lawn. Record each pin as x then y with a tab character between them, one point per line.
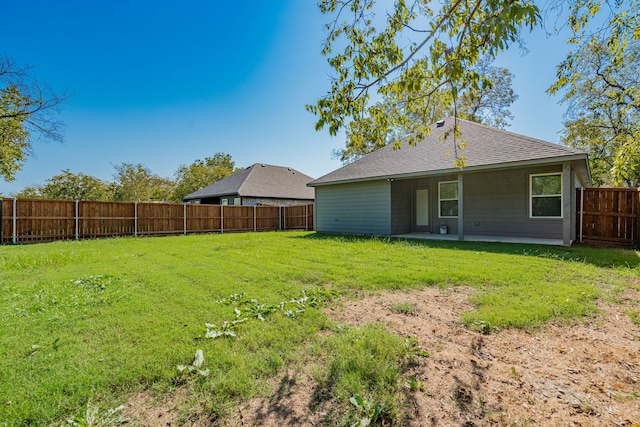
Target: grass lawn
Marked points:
96	321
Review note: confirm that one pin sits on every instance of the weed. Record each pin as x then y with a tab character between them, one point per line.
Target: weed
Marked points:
226	329
232	299
482	406
252	308
413	348
93	418
634	315
407	308
259	311
415	384
195	367
514	373
483	326
369	413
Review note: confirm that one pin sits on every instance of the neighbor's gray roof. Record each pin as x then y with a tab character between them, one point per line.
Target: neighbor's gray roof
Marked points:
260	180
487	148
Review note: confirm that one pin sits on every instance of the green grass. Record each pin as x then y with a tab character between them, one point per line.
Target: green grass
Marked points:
99	320
407	308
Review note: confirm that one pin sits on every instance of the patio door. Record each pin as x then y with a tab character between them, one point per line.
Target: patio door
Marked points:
421	210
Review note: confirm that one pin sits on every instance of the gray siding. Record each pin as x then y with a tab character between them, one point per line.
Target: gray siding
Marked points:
401	207
497	204
356	208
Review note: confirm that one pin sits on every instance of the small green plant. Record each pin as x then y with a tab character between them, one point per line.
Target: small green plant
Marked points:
634	315
196	365
93	418
227	329
368	412
406	308
483	326
252	308
232	299
413	348
415	384
259	311
514	373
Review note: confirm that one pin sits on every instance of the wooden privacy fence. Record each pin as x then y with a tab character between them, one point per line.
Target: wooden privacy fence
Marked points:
608	216
34	220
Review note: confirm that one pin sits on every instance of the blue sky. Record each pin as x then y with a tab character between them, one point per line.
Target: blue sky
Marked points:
165	83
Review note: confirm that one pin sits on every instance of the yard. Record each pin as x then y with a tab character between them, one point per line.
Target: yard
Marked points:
338	330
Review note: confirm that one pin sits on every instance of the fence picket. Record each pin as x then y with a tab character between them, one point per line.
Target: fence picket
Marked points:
37	220
608	216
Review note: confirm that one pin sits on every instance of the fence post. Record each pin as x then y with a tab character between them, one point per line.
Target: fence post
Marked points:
255	221
77	220
135	219
15	221
306	217
221	219
184	215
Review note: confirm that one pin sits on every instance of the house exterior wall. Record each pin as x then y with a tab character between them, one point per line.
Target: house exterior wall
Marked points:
401	206
354	208
402	209
497	204
494	203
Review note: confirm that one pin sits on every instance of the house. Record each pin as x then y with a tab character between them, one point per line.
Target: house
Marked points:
513	188
259	184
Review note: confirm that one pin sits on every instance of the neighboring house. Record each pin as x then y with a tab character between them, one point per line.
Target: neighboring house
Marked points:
257	185
512	186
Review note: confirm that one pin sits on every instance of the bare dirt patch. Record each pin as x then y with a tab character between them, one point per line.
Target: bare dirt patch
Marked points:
580	375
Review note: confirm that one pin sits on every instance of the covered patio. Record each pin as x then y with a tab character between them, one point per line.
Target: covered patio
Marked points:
491	239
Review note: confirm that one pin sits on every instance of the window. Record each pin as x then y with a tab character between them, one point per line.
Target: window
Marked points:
546	195
448	199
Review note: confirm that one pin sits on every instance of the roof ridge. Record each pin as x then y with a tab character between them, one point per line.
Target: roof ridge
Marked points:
519	135
244	181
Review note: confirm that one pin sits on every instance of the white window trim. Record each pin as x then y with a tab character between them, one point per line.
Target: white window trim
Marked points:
531	196
444	200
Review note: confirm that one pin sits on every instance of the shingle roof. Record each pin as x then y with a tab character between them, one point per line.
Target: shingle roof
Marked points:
487	147
260	180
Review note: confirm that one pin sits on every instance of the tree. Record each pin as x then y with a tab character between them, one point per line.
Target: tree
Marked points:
602	91
429	50
603	115
28	109
201	173
137	183
69	186
489	106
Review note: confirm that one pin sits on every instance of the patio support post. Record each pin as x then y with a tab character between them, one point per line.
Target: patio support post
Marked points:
566	204
460	208
581	211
